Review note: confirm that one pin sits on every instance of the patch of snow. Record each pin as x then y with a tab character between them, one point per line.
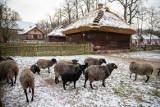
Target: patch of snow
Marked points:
120	90
149	55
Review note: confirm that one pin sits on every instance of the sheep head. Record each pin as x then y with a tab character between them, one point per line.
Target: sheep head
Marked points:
74	61
34	69
111	66
102	61
54	60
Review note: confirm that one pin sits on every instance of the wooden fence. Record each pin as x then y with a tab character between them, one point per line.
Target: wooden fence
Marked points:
44	49
145	47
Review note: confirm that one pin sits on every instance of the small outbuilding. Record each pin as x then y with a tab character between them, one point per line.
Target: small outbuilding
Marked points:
56	35
103	28
145	39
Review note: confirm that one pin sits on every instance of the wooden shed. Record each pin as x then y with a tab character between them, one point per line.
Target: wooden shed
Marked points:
103	28
56	35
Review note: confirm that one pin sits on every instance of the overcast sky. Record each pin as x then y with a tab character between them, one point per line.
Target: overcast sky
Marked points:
34	10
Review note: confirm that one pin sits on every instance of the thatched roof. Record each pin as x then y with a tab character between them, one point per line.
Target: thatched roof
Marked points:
109	22
57	32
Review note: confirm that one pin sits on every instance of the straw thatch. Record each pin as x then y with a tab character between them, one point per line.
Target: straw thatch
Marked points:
110	22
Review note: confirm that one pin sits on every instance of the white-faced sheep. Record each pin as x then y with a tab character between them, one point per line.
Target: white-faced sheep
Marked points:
9	69
94	61
34	68
60	68
140	69
27	80
71	76
99	72
43	63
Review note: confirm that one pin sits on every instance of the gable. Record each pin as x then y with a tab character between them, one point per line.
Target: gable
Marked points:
35	31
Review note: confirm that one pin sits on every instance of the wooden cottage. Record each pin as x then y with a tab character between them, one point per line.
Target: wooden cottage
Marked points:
56	35
28	32
103	28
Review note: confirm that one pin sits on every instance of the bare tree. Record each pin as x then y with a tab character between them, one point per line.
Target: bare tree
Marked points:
76	4
67	10
130	8
142	17
133	9
8	26
153	19
87	3
125	4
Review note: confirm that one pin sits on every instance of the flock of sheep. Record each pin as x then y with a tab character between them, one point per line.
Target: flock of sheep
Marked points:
69	71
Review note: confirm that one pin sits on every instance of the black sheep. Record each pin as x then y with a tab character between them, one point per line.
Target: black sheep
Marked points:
83	67
71	76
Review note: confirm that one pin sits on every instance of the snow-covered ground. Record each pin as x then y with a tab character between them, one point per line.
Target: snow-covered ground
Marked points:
120	90
147	55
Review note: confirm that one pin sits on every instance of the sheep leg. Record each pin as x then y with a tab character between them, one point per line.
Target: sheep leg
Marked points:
48	70
130	75
135	77
86	78
64	83
103	83
15	79
147	78
91	84
74	84
85	83
25	91
11	82
7	80
29	90
32	94
56	80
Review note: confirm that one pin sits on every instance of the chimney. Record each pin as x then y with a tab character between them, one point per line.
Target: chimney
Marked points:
100	6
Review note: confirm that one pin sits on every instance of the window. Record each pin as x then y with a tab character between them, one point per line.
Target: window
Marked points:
35	30
30	37
40	36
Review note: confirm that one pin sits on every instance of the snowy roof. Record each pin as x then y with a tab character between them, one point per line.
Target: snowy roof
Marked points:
25	26
57	32
110	22
145	36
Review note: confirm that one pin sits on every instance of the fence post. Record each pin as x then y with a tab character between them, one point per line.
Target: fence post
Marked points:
84	48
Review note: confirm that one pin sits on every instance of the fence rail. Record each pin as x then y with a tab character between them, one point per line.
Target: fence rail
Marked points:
145	47
44	49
